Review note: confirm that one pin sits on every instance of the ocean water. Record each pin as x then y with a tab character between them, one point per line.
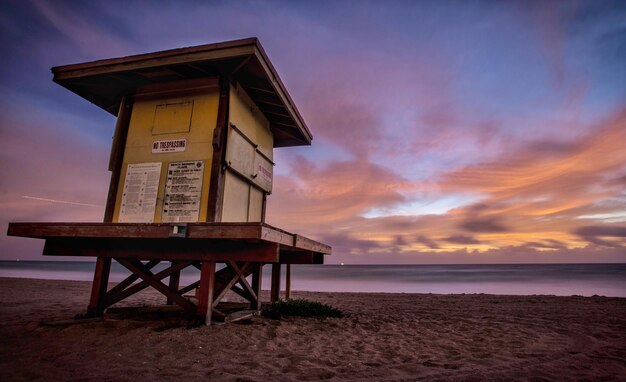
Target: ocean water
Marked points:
516	279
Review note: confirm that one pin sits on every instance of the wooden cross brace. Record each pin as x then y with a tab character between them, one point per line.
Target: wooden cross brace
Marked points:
212	286
140	270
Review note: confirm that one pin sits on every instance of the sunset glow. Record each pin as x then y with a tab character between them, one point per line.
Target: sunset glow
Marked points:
444	131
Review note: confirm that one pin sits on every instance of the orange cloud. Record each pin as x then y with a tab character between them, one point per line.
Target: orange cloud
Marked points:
532	200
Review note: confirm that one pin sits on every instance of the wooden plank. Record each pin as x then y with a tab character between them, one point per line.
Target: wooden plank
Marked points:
209	52
240	315
224	231
275	289
300	257
232	231
163	249
180	88
277	236
311	245
99	230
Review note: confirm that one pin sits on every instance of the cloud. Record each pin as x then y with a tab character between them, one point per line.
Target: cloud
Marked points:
335	192
86	32
461	239
483	225
545	244
600	235
427	242
345	244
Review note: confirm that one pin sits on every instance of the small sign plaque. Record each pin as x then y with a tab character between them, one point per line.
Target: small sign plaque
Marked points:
169	146
183	189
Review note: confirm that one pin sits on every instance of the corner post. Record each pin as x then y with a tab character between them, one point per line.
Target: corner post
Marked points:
174	283
257	276
205	292
275	292
97	301
288	282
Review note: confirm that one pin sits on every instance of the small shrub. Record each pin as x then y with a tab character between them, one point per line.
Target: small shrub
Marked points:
300	308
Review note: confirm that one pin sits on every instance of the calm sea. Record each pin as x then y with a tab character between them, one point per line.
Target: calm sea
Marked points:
518	279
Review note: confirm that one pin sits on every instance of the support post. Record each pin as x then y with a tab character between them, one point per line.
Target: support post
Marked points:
288	282
174	283
205	292
257	276
275	292
97	302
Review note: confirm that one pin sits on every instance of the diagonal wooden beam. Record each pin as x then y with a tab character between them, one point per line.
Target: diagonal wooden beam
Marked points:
243	293
228	284
118	296
189	287
224	288
138	268
130	279
242	279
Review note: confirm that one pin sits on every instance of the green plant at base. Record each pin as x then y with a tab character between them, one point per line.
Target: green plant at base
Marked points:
300	308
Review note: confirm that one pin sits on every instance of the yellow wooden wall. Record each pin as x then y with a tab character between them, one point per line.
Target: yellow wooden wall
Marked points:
151	121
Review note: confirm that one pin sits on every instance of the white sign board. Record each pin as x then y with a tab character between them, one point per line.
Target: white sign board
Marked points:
182	192
141	186
169	146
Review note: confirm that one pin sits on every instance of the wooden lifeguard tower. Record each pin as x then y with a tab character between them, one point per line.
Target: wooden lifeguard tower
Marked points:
191	166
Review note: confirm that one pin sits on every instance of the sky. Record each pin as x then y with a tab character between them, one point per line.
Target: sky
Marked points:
443	131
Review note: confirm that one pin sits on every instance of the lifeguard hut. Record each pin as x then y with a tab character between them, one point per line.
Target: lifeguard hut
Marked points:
191	167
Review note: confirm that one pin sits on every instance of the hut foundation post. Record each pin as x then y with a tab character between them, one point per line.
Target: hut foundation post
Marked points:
288	282
205	292
275	291
97	302
257	277
174	283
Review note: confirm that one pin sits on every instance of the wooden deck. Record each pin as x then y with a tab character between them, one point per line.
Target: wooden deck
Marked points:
242	247
180	241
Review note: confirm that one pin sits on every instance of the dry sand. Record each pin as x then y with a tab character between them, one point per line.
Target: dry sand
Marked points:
386	337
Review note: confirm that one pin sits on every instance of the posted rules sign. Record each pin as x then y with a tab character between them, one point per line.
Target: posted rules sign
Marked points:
183	187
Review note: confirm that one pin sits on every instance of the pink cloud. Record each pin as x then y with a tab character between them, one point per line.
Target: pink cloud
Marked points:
315	195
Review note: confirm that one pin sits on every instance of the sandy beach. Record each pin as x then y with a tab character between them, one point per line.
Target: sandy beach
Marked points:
385	337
